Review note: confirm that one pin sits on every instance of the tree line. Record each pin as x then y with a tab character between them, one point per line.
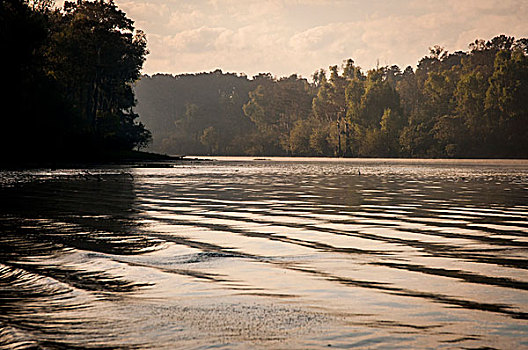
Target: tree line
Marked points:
196	113
69	74
462	104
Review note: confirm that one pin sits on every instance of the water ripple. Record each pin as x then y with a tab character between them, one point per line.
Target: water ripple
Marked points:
270	253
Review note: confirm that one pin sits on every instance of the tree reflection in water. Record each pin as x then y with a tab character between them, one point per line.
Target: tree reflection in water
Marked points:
50	291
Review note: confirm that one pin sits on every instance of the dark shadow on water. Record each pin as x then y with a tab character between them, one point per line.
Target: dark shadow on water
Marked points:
48	294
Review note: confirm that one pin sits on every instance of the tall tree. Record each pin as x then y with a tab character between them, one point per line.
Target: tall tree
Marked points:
35	115
375	115
276	106
96	55
506	101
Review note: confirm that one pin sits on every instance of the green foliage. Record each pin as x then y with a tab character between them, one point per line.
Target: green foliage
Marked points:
29	92
97	54
72	76
209	139
506	101
461	104
449	131
320	143
179	109
468	104
374	114
299	140
277	108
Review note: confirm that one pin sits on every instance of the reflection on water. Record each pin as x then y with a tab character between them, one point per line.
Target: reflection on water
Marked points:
267	254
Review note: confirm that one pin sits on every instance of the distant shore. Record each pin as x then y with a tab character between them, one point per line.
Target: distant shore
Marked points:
151	159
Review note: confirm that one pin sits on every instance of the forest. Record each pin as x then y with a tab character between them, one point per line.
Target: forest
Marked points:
465	104
69	74
73	78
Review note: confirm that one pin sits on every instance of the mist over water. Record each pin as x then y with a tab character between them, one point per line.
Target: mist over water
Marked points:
237	253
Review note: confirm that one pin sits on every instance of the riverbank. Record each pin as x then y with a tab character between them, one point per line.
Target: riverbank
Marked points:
91	160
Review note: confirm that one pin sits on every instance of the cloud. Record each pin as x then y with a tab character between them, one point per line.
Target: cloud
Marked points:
200	40
143	13
325	37
301	36
184	20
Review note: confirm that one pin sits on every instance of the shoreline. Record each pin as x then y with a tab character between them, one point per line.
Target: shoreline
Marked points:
138	158
143	159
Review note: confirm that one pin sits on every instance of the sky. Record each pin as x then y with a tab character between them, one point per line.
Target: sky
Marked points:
284	37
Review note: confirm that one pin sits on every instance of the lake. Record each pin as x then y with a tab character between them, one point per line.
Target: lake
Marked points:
269	253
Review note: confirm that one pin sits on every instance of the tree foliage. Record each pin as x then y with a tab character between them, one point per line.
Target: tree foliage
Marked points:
70	78
460	104
181	109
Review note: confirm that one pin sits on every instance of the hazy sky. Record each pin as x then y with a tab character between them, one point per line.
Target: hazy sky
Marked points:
301	36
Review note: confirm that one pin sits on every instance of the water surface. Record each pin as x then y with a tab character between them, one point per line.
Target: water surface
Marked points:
279	253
